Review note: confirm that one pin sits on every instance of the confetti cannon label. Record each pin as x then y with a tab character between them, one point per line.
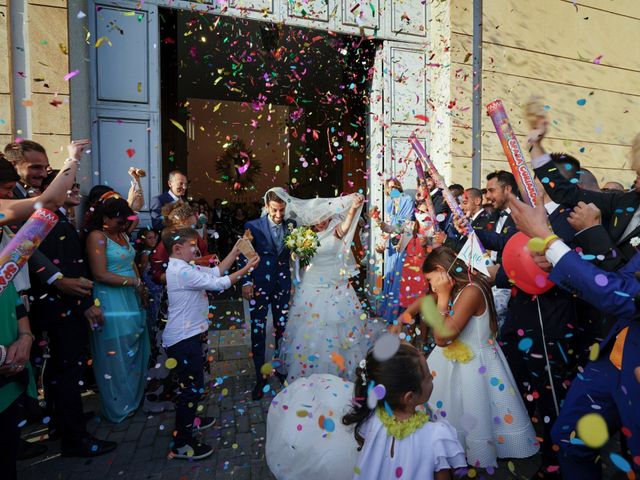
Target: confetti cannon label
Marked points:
512	150
25	242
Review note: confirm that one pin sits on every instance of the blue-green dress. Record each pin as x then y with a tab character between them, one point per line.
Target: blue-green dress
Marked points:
121	347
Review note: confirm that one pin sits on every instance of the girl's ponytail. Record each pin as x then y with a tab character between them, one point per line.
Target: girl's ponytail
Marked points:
401	373
360	411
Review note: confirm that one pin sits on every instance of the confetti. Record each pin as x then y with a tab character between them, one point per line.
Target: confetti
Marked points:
592	430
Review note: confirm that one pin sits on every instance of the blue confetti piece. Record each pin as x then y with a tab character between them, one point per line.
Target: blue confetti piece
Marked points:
622	294
525	344
620	462
582	102
329	425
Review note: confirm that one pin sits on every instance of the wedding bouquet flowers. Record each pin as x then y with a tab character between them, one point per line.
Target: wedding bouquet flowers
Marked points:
303	244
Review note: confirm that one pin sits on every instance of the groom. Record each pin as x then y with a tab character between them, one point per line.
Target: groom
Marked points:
269	285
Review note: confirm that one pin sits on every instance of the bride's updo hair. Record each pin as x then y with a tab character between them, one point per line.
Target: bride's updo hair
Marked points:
399	374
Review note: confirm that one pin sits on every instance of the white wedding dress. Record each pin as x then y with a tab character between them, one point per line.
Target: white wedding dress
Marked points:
327	329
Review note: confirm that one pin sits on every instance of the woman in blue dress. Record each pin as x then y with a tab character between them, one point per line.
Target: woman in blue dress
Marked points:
121	347
399	209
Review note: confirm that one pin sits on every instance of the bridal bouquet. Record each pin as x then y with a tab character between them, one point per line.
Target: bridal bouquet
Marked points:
303	244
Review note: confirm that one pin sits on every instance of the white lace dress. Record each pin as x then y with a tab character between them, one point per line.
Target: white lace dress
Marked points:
327	329
480	398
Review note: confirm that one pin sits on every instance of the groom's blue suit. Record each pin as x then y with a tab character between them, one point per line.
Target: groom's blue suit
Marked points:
271	285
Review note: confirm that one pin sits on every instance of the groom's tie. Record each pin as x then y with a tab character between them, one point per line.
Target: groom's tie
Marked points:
277	237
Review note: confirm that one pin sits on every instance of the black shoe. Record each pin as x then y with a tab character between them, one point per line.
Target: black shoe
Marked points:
205	422
258	391
27	450
192	451
89	446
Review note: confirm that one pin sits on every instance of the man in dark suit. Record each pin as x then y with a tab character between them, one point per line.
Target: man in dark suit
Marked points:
619	210
608	386
269	285
64	318
471	205
548	322
177	189
32	164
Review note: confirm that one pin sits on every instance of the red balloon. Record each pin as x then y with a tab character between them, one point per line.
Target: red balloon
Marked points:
520	267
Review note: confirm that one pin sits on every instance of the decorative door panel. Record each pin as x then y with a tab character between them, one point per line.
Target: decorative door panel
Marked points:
407	85
361	13
123	142
314	10
119	31
125	98
262	6
407	18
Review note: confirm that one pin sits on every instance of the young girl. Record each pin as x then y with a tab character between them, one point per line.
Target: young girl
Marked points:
473	387
145	244
396	441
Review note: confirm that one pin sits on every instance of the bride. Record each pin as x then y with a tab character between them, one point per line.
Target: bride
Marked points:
326	330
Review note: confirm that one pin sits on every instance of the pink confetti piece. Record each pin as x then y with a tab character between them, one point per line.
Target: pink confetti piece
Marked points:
71	75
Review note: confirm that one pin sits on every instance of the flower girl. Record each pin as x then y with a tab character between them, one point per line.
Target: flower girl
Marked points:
473	387
396	440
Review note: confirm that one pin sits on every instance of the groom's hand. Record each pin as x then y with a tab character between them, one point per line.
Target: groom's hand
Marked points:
247	292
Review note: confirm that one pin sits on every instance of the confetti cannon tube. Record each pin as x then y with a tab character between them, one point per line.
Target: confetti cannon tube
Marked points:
427	199
24	243
512	150
437	178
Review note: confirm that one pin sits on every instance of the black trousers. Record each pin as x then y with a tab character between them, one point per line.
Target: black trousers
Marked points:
62	376
529	369
190	373
9	439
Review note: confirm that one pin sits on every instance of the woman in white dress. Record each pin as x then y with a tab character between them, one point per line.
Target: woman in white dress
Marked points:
473	387
326	328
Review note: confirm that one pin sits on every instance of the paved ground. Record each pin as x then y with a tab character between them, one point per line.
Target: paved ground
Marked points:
238	438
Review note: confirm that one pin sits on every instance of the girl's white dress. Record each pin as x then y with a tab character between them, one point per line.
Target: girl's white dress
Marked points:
480	398
431	448
327	329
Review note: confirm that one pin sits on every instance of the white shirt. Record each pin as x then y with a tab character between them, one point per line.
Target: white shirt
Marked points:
551	206
475	215
187	287
175	198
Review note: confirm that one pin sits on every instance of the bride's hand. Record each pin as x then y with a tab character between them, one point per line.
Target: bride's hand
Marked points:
358	200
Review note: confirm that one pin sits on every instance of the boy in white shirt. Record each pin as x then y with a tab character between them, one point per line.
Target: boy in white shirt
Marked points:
187	286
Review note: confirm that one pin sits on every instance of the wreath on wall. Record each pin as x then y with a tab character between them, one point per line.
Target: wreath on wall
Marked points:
238	166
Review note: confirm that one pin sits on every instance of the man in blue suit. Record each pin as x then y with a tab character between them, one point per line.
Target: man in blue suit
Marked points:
609	386
269	285
177	189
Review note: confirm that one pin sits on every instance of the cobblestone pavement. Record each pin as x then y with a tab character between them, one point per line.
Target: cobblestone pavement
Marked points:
238	437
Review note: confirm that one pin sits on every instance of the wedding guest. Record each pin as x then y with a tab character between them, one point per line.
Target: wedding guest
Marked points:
182	338
121	347
398	209
466	351
392	435
177	189
613	187
608	386
145	245
66	319
159	391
